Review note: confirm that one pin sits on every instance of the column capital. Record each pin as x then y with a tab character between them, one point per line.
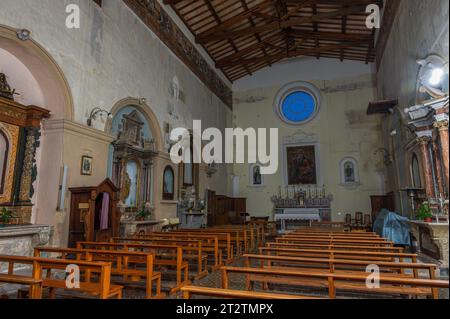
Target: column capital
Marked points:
423	140
441	125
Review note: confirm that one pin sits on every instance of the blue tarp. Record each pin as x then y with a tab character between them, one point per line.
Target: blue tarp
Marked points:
392	226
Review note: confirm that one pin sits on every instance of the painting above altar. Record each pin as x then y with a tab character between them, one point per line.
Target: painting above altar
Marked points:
301	165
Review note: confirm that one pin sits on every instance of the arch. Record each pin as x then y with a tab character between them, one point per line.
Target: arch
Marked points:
349	171
168	185
146	111
54	86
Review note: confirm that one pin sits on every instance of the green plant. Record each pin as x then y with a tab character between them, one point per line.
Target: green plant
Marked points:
424	211
142	214
5	216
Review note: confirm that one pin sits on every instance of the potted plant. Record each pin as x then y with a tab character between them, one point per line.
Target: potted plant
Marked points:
424	213
5	217
142	215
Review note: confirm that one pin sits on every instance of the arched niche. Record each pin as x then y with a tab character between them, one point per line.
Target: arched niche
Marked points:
131	154
145	111
41	71
40	81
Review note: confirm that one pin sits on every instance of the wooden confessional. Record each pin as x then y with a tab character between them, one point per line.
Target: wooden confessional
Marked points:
86	213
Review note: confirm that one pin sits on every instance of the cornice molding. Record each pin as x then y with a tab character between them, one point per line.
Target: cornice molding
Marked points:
71	127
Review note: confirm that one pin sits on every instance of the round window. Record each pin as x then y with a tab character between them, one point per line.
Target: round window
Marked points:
297	103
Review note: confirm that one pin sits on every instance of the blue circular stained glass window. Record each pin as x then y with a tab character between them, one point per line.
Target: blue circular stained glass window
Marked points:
298	107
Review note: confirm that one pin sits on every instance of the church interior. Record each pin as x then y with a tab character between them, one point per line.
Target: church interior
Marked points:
347	99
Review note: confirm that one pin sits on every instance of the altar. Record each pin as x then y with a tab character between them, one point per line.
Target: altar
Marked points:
300	207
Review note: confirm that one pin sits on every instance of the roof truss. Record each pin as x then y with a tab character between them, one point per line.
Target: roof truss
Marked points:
243	36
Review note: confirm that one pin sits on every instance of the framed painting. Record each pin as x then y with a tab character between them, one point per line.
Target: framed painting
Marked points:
301	165
86	165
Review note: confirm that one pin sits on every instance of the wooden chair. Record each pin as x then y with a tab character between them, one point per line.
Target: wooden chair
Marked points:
367	222
358	222
348	222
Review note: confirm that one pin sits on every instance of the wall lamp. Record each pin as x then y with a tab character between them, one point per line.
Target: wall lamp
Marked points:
96	112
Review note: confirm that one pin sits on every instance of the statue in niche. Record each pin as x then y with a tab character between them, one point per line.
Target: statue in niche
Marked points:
349	172
5	89
126	186
257	176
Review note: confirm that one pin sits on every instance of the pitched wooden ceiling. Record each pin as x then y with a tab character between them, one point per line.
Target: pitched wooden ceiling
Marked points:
243	36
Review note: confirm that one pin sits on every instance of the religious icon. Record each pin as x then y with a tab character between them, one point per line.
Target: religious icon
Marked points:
301	165
257	176
349	172
86	165
168	184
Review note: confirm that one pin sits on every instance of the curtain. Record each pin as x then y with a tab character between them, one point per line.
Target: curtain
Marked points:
104	214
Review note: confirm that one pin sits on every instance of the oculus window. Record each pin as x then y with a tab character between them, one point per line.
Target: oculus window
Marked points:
297	103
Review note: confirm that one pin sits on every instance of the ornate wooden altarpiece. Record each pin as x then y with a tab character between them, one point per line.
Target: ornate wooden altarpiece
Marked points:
20	125
132	147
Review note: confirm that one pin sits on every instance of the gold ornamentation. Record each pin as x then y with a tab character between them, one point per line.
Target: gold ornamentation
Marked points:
13	134
26	178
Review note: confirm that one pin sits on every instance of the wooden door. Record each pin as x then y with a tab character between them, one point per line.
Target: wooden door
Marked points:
77	224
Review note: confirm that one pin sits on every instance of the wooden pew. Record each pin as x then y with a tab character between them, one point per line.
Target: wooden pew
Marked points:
162	258
34	280
336	247
193	250
331	281
336	242
120	264
329	237
223	246
397	269
247	232
338	254
189	291
211	245
101	288
333	232
236	237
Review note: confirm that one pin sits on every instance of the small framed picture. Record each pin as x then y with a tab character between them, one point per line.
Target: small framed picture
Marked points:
86	165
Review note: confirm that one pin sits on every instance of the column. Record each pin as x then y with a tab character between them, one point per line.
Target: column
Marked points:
426	165
438	164
442	127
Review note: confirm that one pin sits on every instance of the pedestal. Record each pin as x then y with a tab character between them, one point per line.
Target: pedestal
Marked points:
133	227
194	220
432	241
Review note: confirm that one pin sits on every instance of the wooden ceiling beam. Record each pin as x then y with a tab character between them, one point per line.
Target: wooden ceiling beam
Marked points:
219	21
222	35
257	36
247	50
293	53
